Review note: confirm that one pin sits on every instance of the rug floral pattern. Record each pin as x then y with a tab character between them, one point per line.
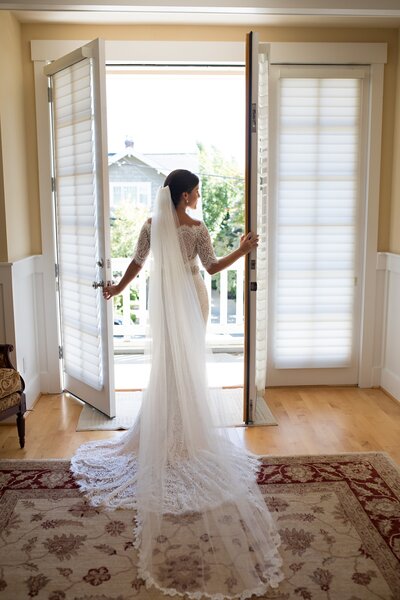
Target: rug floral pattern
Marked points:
338	517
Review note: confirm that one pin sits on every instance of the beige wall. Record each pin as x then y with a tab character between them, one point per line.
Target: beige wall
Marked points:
15	206
387	240
395	207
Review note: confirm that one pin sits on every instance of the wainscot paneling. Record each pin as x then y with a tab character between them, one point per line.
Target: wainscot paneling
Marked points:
390	372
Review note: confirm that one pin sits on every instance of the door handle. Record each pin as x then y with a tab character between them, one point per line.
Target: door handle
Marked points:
97	284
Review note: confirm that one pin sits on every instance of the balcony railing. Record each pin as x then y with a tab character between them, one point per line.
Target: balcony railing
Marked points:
225	325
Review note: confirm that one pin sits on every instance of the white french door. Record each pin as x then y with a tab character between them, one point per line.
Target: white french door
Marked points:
256	206
77	84
307	140
316	223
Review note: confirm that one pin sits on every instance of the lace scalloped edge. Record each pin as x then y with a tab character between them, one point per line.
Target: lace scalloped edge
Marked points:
91	493
259	590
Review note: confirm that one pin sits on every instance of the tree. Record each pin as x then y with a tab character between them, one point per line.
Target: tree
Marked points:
222	191
126	223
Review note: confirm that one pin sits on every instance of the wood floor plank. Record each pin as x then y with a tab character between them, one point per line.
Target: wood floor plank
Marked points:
311	420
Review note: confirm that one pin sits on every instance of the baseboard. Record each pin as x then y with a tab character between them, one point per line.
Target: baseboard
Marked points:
376	376
32	391
390	383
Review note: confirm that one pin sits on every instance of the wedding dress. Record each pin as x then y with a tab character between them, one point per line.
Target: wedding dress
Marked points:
202	525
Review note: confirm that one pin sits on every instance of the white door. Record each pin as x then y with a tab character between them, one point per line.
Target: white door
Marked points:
256	204
77	84
316	211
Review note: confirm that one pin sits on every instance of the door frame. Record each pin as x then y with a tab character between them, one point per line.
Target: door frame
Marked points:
373	54
42	52
341	375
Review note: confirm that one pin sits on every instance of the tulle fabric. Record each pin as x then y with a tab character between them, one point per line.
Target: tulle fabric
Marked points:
202	525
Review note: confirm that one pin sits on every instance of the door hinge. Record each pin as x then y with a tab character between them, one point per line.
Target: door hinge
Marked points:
56	270
50	94
253	286
53	184
254	118
60	352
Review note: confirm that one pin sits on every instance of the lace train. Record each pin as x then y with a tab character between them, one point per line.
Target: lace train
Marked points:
213	536
202	526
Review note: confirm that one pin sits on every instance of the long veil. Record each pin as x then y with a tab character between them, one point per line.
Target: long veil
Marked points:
202	526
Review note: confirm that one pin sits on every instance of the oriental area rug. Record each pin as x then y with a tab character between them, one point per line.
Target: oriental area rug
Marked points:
338	517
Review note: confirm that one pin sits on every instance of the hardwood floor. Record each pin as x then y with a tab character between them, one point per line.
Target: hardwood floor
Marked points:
311	420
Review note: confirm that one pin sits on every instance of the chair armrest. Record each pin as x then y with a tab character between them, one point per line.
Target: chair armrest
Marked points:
5	360
10	382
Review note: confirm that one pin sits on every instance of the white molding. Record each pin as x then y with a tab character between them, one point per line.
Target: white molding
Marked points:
334	53
18	284
51	376
156	52
390	382
161	52
390	325
242	7
229	52
366	360
393	263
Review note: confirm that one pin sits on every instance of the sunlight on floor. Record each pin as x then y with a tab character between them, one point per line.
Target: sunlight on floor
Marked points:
132	370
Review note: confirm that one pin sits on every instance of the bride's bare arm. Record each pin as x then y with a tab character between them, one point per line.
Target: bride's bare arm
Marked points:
113	290
140	254
247	243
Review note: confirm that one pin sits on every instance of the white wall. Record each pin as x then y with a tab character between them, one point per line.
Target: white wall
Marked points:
23	323
390	371
19	310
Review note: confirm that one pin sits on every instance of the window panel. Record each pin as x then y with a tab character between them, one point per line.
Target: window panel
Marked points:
316	221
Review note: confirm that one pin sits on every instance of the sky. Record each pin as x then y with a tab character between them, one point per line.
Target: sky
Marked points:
172	111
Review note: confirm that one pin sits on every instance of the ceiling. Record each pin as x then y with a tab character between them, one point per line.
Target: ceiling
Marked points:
314	13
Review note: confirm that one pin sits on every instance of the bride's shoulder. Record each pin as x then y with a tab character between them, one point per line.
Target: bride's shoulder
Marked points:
193	222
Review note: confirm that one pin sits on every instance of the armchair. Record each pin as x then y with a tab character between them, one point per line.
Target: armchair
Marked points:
12	397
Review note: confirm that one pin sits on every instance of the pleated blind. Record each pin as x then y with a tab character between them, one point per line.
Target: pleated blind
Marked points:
316	221
74	158
262	224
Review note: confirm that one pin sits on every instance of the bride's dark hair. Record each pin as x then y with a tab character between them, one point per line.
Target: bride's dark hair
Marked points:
180	181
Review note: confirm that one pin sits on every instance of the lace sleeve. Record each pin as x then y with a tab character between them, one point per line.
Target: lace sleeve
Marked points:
142	248
205	249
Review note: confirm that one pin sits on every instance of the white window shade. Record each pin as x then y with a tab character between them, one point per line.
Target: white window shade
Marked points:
316	221
262	224
74	159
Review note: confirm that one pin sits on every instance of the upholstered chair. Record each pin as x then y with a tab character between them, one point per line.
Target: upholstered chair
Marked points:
12	397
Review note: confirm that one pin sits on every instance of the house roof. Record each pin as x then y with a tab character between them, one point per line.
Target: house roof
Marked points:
163	163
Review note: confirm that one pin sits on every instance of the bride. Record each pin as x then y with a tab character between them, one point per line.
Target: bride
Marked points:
202	525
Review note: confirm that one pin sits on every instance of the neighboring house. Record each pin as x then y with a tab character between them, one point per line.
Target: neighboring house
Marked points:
136	177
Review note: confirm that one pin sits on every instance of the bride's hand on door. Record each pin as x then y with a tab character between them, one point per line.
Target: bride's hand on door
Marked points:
111	290
248	242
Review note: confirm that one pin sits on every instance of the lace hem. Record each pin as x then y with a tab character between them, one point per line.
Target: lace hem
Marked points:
109	479
270	577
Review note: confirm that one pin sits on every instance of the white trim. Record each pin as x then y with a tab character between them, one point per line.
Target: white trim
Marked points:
365	378
19	309
231	53
215	52
52	380
240	7
317	53
390	332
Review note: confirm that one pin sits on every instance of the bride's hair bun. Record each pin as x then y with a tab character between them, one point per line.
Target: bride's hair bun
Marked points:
180	181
